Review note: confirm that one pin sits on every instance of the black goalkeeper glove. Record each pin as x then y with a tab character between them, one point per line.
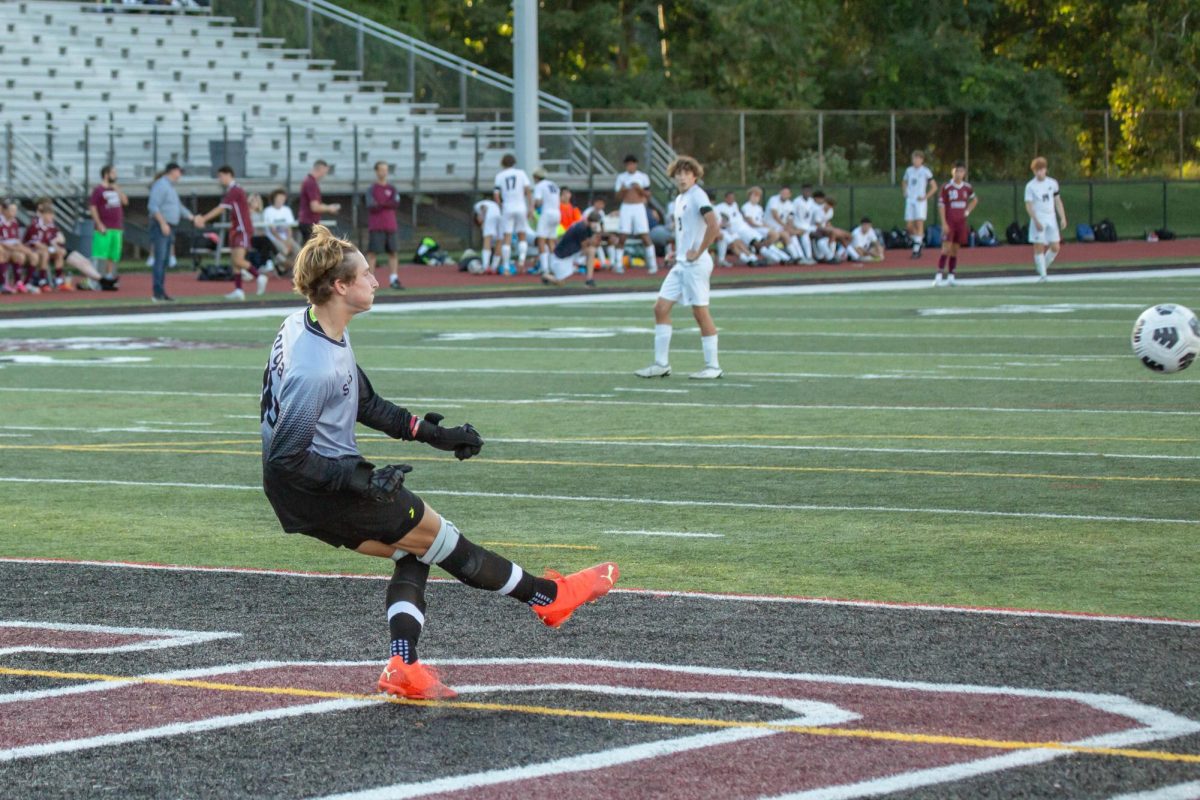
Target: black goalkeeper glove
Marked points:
379	485
464	441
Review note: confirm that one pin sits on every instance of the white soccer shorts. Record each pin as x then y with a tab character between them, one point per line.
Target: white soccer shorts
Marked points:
514	219
1049	234
634	221
547	227
687	282
562	268
916	209
493	226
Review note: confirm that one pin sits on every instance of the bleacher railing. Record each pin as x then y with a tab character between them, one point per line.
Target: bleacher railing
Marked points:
29	172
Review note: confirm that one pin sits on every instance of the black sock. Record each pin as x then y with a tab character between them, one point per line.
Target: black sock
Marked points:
480	568
406	606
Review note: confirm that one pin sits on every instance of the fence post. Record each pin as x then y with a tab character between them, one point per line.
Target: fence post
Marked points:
648	151
671	129
1180	151
8	158
87	165
308	25
1106	117
49	145
852	203
462	92
358	42
112	140
892	147
1164	203
742	144
1016	201
412	73
591	157
416	174
154	137
820	148
354	189
967	141
224	143
258	14
1091	202
475	187
287	172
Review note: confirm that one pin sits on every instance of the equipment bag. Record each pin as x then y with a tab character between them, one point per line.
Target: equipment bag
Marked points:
1084	233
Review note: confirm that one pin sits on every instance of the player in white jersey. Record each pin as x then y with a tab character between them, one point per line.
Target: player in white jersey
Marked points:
546	199
633	192
696	228
736	235
780	219
488	217
1042	201
513	195
752	212
319	484
917	187
804	222
864	243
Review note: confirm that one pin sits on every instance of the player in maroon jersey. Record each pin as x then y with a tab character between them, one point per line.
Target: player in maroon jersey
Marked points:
16	254
42	237
956	201
311	206
241	229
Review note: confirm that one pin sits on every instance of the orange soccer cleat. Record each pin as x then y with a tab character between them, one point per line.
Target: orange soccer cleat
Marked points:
414	681
585	586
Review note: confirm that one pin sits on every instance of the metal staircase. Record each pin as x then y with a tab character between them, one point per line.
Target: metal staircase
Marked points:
28	172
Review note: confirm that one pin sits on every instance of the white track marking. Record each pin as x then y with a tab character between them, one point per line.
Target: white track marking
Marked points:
470	401
773	291
164	637
1180	791
736	598
649	391
676	534
649	501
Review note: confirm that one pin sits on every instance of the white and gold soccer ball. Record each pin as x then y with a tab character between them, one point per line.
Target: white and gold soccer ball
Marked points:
1166	337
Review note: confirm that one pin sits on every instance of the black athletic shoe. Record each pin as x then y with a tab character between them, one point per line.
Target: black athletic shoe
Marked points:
590	284
108	284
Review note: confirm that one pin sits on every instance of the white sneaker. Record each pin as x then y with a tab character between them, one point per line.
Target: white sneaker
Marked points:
654	371
937	280
262	283
1041	279
236	294
950	279
269	266
707	374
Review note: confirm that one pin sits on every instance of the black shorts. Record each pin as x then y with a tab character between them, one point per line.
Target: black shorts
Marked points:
343	519
381	242
306	230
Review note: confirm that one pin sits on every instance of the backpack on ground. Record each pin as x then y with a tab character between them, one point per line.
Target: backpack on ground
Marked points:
933	236
1164	234
1084	233
1105	231
896	239
1012	234
429	252
986	235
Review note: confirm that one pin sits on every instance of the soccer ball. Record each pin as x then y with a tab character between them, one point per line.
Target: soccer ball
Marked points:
1166	337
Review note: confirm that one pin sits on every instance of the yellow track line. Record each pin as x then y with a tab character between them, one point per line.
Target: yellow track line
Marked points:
625	716
938	473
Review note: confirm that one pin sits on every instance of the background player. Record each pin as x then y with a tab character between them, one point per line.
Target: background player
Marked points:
1042	200
107	207
241	230
918	186
512	194
320	485
311	206
17	255
955	203
547	198
696	228
633	192
488	217
382	202
579	240
864	243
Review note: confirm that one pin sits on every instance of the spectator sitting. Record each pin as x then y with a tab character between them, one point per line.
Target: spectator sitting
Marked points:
279	224
568	213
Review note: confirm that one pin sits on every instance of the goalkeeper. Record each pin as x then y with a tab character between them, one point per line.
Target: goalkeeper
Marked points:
320	486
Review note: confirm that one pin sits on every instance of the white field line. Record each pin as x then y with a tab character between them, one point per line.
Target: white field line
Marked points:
469	401
163	637
602	443
650	501
868	287
765	377
675	534
715	596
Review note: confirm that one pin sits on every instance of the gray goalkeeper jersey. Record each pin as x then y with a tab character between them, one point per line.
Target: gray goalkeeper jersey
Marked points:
310	393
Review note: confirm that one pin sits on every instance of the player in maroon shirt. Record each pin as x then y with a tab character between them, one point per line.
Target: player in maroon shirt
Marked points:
382	202
311	207
956	201
16	254
42	237
241	229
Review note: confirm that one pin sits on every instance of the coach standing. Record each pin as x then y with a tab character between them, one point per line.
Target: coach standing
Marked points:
311	207
165	211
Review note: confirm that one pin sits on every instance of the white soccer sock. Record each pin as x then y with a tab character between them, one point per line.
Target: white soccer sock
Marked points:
709	345
662	344
619	259
852	254
1050	256
722	251
1039	261
651	259
505	254
487	260
544	262
793	247
522	252
806	246
611	254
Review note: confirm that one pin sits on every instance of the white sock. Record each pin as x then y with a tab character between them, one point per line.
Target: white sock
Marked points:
852	254
1039	261
612	254
709	345
544	262
793	247
487	260
806	246
505	254
619	259
662	344
522	252
722	251
651	259
1050	256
